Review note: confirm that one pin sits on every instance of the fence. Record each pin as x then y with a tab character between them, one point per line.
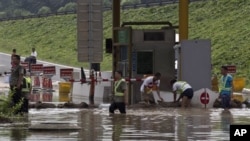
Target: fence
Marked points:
146	3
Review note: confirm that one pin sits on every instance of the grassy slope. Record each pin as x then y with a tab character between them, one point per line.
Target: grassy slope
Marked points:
225	22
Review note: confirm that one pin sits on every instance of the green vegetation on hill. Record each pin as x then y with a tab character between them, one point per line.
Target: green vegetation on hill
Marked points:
225	22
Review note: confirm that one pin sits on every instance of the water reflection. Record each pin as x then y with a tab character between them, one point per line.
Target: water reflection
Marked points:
226	120
118	121
18	134
149	124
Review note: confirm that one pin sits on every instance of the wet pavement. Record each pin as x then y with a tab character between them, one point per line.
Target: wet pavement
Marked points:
139	124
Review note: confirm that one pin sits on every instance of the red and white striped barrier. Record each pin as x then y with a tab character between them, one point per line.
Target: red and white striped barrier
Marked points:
107	80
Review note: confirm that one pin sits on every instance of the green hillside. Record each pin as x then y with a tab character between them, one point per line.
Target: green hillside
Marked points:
225	22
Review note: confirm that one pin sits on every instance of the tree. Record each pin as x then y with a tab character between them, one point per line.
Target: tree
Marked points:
21	12
44	10
70	6
61	9
3	15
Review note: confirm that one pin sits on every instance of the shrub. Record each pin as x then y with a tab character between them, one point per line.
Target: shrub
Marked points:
44	10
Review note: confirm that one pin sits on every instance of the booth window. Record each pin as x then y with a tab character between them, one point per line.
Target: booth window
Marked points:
154	36
145	62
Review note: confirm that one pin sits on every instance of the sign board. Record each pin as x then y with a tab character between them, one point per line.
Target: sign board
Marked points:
198	66
231	69
25	65
36	68
34	97
66	73
47	97
123	36
49	70
90	31
204	98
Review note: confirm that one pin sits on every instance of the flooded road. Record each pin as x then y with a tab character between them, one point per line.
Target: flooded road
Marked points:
139	124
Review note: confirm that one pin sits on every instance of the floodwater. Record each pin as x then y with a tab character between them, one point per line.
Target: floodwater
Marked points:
138	124
155	124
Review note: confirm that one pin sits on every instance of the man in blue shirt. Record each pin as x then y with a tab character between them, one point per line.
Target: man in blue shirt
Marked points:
226	87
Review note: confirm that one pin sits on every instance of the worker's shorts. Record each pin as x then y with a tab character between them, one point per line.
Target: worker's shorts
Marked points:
188	93
117	105
225	100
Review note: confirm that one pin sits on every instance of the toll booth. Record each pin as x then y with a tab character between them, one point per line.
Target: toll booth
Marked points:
140	52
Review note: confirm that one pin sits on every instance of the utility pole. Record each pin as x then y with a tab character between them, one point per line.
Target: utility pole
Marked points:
116	23
183	28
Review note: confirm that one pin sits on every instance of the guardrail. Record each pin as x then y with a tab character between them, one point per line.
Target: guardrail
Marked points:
124	7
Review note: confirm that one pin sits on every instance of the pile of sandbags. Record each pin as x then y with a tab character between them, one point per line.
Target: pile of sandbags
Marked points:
233	104
41	105
159	105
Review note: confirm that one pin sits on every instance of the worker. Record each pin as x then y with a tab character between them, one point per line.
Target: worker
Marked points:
16	81
13	53
185	90
33	56
225	87
26	89
150	84
120	94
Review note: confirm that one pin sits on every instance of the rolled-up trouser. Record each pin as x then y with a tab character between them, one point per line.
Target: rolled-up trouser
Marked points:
225	100
25	105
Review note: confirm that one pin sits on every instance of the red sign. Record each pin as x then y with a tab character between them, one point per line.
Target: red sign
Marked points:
204	98
37	68
47	97
34	97
66	73
25	65
49	70
231	69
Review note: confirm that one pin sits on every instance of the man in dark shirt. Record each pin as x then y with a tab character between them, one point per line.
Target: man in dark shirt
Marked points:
16	80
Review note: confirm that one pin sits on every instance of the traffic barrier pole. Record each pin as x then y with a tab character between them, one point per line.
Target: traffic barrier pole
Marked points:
92	88
105	80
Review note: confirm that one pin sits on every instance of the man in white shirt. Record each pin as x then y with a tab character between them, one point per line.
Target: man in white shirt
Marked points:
33	56
150	84
185	91
33	53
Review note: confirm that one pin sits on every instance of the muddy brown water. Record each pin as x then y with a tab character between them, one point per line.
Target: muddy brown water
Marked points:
150	124
156	124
